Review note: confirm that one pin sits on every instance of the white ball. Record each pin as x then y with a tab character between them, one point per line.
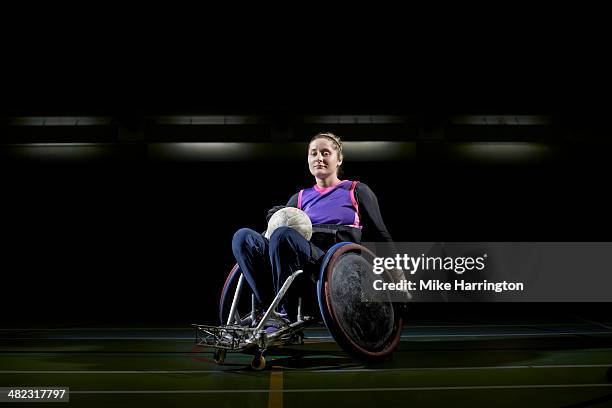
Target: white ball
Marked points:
290	217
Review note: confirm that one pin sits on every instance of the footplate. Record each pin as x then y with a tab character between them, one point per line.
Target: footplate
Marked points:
232	338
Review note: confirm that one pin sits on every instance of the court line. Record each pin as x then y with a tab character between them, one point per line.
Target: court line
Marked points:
314	328
317	328
408	336
605	365
486	335
275	400
102	328
461	368
320	390
597	323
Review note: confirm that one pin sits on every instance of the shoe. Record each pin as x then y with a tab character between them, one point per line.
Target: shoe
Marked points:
247	321
275	325
282	312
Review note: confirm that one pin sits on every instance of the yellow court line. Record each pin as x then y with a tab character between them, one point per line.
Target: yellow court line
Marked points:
275	396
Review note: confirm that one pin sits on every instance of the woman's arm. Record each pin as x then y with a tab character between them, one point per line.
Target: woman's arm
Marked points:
374	228
293	201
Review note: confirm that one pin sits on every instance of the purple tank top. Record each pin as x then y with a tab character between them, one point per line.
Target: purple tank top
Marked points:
332	205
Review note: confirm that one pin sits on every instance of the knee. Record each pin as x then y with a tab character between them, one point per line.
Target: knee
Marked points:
282	237
242	237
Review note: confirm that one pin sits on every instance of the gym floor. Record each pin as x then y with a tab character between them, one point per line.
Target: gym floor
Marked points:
564	363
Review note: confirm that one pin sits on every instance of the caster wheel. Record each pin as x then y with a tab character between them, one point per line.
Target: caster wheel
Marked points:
258	362
219	356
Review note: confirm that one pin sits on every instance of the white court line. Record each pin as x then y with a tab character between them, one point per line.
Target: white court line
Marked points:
455	368
340	370
99	338
318	337
319	328
105	328
597	324
485	335
308	390
442	326
110	372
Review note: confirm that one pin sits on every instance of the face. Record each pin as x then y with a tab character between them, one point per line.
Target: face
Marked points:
323	160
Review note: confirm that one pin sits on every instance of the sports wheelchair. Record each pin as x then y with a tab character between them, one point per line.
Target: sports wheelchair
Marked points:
367	330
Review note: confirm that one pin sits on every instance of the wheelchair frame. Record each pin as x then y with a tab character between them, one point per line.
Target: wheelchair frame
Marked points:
235	336
248	335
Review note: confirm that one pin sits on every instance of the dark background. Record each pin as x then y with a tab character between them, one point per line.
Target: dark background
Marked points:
125	236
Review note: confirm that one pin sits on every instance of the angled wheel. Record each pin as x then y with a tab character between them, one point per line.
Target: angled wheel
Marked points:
367	330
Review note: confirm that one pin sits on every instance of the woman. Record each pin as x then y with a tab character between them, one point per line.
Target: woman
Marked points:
340	210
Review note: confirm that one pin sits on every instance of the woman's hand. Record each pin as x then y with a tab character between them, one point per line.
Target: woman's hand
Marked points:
272	210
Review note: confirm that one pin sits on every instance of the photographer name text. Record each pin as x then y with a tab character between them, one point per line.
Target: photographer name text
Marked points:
435	285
